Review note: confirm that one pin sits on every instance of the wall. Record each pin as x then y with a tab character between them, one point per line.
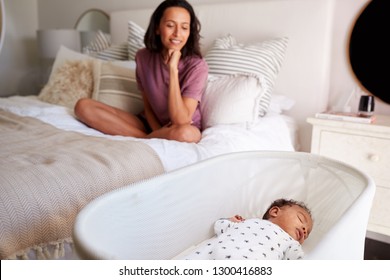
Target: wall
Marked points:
19	64
342	79
69	11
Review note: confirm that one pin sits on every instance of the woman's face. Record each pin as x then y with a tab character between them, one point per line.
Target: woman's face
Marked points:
174	28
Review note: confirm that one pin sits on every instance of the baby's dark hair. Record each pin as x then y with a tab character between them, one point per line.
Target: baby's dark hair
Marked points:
285	202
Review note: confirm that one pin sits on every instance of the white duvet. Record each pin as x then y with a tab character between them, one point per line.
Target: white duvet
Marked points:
272	132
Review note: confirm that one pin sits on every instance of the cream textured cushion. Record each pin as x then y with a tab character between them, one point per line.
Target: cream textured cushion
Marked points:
231	99
68	83
227	57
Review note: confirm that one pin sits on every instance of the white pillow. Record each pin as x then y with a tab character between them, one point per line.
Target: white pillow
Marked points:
227	57
135	39
65	55
280	103
231	99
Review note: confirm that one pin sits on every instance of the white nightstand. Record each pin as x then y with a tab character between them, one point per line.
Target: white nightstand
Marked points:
367	147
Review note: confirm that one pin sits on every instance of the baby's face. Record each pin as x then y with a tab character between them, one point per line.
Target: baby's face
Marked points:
295	220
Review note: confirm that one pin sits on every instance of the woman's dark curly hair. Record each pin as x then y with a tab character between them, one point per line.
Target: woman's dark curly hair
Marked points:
284	202
153	41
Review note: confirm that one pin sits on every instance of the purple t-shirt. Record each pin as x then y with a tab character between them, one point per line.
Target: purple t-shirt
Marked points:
153	80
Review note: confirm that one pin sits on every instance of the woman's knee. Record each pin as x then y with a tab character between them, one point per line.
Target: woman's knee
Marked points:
82	107
187	133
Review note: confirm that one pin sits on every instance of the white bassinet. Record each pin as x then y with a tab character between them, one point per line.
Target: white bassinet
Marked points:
162	217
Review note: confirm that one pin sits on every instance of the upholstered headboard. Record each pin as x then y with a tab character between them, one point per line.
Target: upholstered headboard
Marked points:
308	25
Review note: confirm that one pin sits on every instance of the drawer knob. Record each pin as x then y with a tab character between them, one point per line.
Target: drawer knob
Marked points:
374	158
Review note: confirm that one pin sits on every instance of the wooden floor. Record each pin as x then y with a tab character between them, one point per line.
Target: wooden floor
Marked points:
376	250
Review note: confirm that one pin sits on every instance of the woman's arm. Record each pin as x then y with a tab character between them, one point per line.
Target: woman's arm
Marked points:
149	114
180	109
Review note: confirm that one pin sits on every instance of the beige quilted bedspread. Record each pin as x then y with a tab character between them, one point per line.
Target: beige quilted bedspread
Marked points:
48	175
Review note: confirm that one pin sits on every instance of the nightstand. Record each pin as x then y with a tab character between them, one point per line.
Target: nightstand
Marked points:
367	147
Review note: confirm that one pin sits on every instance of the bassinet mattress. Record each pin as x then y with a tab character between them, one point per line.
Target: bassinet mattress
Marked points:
59	191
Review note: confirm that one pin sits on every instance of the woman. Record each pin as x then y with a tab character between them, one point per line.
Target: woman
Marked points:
171	74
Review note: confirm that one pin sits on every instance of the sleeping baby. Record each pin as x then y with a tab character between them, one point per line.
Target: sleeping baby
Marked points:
277	236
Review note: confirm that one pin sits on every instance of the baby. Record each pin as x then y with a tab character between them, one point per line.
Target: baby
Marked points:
277	236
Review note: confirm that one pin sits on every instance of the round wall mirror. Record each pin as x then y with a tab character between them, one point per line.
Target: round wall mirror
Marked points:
90	22
93	20
368	52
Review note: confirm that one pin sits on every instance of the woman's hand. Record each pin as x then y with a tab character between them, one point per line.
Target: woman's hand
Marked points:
173	58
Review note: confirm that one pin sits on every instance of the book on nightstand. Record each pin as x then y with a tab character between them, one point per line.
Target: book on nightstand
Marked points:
344	116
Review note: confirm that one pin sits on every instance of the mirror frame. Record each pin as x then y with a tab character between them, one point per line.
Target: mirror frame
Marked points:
367	49
90	11
2	23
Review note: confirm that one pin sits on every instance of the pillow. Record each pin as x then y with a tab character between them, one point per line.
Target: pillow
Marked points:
231	99
117	86
135	39
63	55
264	59
100	47
280	103
70	82
100	42
113	52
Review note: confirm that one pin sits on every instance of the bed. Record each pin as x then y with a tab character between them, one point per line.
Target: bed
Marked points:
53	165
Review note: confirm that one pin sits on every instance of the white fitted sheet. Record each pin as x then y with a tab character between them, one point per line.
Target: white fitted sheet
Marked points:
275	132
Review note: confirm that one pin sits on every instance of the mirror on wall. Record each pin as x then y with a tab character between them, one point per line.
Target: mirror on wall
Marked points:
90	22
368	52
2	23
93	20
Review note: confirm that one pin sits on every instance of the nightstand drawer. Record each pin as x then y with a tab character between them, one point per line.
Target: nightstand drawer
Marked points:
370	154
379	218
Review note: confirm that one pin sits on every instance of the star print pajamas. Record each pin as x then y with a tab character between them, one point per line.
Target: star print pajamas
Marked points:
254	239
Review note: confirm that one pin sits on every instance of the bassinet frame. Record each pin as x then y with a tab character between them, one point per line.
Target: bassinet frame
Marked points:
161	217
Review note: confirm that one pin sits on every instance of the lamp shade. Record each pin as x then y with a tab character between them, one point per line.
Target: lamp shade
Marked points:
50	40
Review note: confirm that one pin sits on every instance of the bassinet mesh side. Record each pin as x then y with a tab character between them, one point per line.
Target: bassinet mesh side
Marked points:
161	217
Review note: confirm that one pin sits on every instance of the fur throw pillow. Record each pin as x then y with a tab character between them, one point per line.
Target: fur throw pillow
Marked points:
70	82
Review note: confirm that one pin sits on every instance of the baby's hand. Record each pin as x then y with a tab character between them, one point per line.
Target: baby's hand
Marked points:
236	219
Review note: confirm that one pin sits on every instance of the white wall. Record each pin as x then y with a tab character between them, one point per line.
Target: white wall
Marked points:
19	64
60	13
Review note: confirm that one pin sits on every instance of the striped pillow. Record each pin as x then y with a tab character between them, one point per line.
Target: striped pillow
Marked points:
264	59
101	47
135	39
100	42
113	52
117	86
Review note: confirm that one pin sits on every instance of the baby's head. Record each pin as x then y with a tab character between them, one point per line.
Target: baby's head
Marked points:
292	216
